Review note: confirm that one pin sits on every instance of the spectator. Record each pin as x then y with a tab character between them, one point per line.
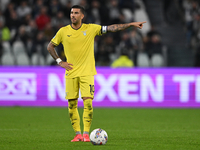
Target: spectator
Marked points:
197	56
4	32
42	19
148	44
152	32
54	7
13	22
38	44
75	2
102	56
166	6
97	14
9	9
125	42
191	10
196	23
3	4
109	43
105	49
84	4
1	50
127	8
26	19
31	29
94	12
154	46
67	9
21	35
59	21
23	9
2	17
136	40
63	2
137	45
196	30
123	60
127	4
115	13
49	32
37	7
87	6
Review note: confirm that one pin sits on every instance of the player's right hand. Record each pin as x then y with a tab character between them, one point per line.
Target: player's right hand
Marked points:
138	24
66	65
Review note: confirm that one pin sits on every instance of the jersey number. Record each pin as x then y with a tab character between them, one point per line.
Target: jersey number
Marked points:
92	89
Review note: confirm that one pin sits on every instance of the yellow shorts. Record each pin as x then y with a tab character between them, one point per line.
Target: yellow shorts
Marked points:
85	84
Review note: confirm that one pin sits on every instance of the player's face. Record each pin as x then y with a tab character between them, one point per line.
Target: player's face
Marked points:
76	15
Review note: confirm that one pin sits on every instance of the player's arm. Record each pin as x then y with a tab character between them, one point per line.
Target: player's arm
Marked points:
120	27
52	51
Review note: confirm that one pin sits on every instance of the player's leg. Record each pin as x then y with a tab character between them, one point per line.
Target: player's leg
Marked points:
75	119
72	90
87	117
87	93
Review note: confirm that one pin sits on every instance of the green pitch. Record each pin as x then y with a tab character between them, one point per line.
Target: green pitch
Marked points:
128	129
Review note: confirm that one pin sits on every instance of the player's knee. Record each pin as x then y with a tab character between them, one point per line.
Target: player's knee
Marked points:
72	104
85	98
88	104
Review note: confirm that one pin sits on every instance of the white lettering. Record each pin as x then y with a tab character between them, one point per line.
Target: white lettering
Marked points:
106	88
147	88
197	89
55	86
124	87
184	81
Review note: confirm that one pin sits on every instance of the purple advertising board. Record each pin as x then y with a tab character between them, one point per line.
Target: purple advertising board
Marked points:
136	87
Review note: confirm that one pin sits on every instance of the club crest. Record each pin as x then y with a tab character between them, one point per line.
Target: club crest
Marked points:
84	33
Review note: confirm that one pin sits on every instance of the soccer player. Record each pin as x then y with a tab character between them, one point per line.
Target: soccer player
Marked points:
78	42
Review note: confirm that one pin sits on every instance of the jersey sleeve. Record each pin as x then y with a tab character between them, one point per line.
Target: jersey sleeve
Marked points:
97	29
57	39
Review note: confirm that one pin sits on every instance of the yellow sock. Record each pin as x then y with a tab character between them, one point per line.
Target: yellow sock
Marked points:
87	115
74	115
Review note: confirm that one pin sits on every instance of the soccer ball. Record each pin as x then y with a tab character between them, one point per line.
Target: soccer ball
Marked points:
98	137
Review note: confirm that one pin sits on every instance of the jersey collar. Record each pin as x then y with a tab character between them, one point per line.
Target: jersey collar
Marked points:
78	28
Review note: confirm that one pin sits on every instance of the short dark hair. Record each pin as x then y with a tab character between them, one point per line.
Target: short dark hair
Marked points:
79	7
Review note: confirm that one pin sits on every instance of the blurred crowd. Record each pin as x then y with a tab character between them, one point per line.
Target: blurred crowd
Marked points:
32	24
192	20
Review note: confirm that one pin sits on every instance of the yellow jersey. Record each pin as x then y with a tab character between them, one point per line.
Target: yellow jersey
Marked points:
78	48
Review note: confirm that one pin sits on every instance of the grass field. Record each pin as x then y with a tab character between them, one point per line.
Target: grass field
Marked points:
25	128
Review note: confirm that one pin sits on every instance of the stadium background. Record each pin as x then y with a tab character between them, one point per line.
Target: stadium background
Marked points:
165	76
169	38
169	42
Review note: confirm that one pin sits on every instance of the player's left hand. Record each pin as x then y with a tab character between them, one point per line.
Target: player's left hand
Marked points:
138	24
66	65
